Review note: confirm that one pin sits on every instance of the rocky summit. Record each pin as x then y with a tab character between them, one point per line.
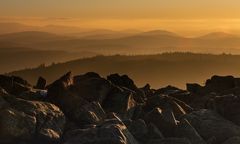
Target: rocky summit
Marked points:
90	109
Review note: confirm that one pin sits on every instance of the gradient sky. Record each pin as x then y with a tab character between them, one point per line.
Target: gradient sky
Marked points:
122	8
221	14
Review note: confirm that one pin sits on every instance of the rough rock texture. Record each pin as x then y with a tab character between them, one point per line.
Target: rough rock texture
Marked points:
139	130
91	87
165	102
125	81
186	130
120	101
164	120
210	124
90	109
41	83
233	140
75	107
220	83
30	121
228	106
111	131
33	95
14	85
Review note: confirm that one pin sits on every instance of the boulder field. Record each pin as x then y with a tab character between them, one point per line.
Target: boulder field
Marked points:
90	109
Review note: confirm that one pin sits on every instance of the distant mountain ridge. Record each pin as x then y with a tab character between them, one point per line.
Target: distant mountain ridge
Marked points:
31	48
159	32
159	70
112	42
31	37
13	27
218	35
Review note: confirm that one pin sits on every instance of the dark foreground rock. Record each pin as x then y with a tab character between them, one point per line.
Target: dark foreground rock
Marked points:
29	121
41	83
211	125
14	85
112	131
90	109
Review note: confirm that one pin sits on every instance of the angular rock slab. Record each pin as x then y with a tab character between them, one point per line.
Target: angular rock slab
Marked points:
211	125
185	130
120	101
112	131
233	140
164	120
63	93
31	121
227	106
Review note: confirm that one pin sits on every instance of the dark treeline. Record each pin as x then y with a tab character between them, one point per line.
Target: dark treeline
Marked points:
159	70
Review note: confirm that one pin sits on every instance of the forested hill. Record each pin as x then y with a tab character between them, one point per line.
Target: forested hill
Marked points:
159	70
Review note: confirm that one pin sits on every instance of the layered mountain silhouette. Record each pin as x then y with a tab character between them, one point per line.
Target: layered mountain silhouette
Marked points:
99	41
30	37
44	46
13	27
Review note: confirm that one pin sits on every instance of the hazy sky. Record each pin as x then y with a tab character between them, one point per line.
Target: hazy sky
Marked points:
122	8
219	14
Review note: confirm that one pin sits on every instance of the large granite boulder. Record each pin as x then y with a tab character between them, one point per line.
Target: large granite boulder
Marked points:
147	90
74	106
91	87
14	85
30	121
41	83
16	126
121	101
139	130
211	125
177	93
154	132
186	130
58	90
227	106
34	95
194	88
87	114
125	81
164	120
215	86
85	76
220	83
165	102
111	131
144	132
168	90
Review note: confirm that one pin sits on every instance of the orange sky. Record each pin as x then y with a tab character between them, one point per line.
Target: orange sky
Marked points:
177	15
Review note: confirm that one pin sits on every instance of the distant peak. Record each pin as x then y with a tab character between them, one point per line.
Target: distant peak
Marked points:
159	32
218	35
29	33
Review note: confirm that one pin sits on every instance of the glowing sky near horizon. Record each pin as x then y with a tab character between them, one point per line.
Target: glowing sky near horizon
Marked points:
223	14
